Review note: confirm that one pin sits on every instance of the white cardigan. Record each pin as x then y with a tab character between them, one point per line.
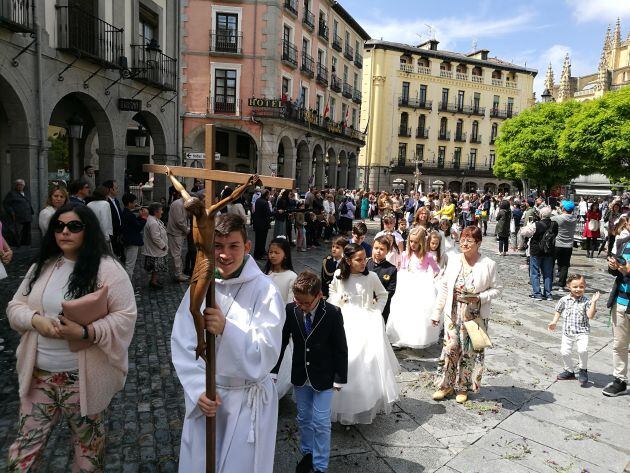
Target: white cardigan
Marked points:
103	213
485	277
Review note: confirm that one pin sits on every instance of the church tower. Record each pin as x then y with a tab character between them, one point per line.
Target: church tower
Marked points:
601	84
564	89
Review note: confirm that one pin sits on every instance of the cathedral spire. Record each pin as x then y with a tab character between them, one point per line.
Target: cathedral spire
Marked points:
616	39
549	79
564	91
602	74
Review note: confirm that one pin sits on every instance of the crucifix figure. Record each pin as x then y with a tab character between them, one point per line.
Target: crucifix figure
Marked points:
202	282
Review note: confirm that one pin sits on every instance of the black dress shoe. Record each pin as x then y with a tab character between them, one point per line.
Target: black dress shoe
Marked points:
305	465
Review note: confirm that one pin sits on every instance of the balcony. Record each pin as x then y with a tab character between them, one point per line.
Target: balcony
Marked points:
456	163
322	75
404	131
422	133
226	42
446	74
160	73
291	6
474	110
310	121
349	52
477	79
87	36
356	96
450	107
461	76
337	42
289	54
224	105
475	139
335	83
309	20
493	139
347	90
505	113
308	65
17	15
358	60
444	135
404	101
510	84
497	82
323	30
461	137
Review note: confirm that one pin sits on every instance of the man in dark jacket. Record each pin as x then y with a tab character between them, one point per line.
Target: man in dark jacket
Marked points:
319	366
541	258
17	205
261	221
131	230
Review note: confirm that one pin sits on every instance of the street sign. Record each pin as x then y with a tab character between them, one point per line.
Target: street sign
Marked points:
195	156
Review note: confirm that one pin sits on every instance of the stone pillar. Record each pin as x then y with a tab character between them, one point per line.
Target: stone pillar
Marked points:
343	174
160	181
290	158
332	171
319	172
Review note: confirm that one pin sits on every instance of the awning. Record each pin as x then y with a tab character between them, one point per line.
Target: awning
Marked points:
585	191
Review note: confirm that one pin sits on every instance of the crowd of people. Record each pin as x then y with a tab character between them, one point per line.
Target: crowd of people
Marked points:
331	337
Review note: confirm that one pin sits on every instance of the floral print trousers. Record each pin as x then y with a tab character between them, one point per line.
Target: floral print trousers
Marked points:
51	396
460	367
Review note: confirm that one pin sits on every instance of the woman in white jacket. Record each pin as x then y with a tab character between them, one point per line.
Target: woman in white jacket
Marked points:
467	287
100	206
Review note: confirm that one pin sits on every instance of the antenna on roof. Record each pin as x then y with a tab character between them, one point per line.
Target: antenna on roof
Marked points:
474	44
431	31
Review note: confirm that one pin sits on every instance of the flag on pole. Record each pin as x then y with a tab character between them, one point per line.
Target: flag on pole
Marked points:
327	107
345	119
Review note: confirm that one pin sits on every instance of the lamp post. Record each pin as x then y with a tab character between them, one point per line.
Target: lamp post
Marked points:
141	137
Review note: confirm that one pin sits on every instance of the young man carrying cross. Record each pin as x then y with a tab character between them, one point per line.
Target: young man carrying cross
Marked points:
248	321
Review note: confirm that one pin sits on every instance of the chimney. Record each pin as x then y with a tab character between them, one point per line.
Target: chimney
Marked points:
480	54
431	45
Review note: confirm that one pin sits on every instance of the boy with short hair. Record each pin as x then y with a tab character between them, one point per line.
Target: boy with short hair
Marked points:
319	366
403	229
576	309
389	229
359	231
331	262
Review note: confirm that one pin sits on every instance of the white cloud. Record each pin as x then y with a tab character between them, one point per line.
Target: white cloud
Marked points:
599	10
447	30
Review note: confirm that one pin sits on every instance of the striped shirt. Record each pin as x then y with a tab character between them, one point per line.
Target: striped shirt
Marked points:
573	312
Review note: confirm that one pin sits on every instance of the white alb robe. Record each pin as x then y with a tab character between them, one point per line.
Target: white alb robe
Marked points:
245	354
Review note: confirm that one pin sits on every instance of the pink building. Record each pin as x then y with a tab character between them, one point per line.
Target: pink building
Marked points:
282	83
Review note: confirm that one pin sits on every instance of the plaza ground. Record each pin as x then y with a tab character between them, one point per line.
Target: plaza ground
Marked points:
523	420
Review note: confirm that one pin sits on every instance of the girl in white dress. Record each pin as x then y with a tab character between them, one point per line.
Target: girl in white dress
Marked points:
280	269
372	365
409	323
435	244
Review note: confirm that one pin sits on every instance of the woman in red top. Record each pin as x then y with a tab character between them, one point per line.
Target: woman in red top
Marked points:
591	229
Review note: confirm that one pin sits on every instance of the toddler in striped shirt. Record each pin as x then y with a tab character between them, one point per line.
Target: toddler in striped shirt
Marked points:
576	310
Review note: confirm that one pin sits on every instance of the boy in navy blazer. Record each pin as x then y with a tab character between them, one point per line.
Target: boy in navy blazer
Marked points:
320	366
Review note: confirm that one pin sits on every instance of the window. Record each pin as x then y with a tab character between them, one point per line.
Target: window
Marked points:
443	126
227	24
475	130
457	158
492	158
345	74
306	47
354	118
441	155
355	82
419	153
321	57
286	34
318	105
225	90
472	159
459	128
510	105
444	97
332	108
476	101
344	112
335	27
495	103
334	65
493	132
460	100
149	22
405	91
347	38
404	120
423	94
421	123
357	45
402	151
286	87
304	97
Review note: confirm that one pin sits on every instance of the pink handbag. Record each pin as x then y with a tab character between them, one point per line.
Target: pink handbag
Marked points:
84	311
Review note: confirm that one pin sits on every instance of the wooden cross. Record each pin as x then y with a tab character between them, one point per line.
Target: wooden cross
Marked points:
202	280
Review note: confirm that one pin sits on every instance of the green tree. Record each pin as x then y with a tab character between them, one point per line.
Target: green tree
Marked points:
599	135
58	153
527	146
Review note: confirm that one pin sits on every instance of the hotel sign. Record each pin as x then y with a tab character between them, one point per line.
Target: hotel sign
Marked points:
129	105
265	103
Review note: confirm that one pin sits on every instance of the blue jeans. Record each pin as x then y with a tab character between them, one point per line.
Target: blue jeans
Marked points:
313	417
544	265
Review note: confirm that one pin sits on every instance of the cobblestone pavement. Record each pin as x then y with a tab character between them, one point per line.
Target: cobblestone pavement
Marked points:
523	420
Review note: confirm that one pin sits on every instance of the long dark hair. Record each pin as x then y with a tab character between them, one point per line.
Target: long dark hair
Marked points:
83	279
348	252
285	246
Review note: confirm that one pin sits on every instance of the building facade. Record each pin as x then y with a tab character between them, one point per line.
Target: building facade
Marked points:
86	82
432	116
613	72
281	80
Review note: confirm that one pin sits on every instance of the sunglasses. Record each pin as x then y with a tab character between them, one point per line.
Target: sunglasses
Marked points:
74	226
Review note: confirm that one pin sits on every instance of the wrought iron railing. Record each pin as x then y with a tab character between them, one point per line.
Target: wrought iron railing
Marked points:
422	133
337	42
88	36
161	72
358	60
444	135
347	90
291	5
323	29
349	52
308	65
335	83
404	101
289	53
17	15
404	130
226	41
322	74
309	20
475	138
224	104
356	96
460	136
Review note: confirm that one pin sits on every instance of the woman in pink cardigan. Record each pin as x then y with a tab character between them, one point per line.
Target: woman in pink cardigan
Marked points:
74	260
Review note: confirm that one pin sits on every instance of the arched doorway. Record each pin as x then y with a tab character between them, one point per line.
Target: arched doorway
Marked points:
490	187
342	170
352	171
455	186
235	147
470	186
437	186
285	155
318	167
302	167
504	188
145	140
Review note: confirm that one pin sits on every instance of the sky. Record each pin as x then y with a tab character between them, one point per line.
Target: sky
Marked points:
530	33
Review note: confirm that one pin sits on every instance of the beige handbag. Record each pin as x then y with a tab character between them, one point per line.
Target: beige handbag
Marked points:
477	334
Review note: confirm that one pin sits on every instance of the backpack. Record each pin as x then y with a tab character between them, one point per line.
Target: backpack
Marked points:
343	209
548	241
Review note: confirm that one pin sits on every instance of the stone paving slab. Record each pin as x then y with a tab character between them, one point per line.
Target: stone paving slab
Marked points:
520	398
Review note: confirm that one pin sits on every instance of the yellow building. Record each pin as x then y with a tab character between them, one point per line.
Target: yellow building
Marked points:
612	73
432	116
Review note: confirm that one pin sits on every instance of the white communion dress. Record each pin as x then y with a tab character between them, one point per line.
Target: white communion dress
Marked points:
409	323
372	364
284	281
